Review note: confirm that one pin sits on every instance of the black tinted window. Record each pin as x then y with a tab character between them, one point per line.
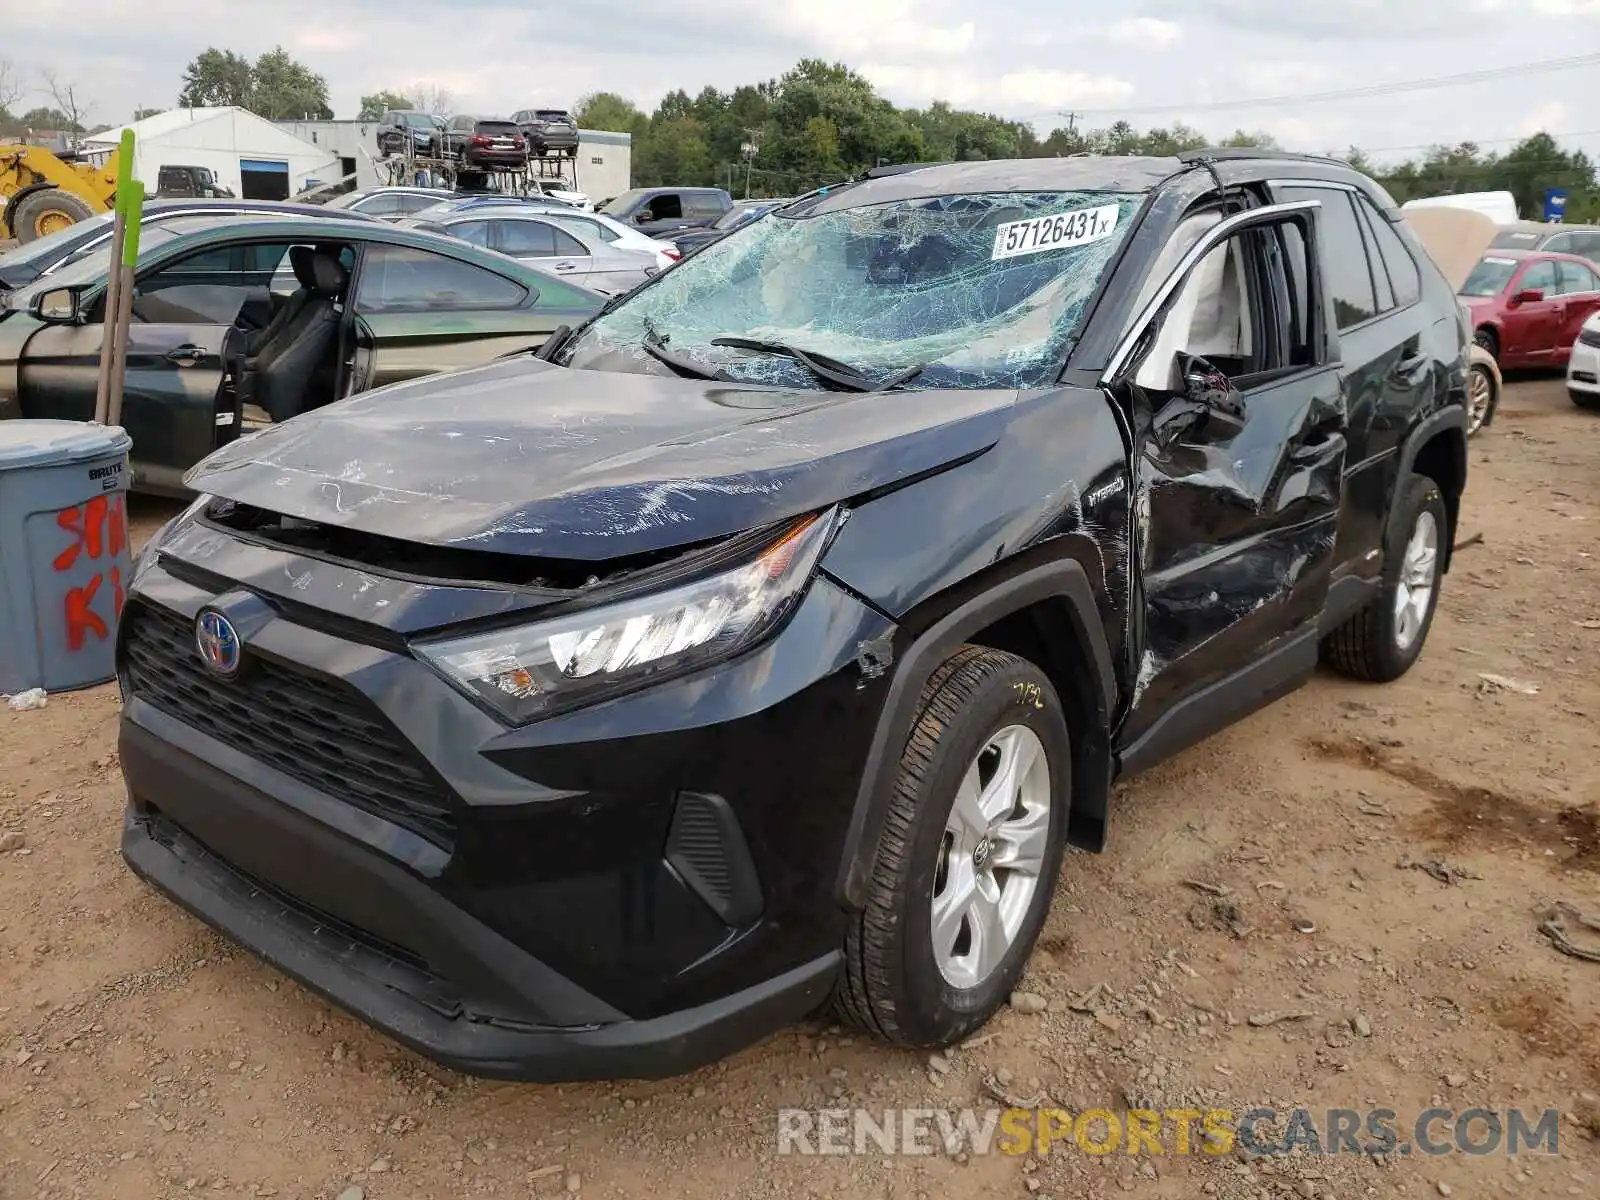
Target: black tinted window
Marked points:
400	279
525	239
1398	265
498	129
1345	270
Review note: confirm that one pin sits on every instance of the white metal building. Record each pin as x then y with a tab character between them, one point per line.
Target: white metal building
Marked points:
249	154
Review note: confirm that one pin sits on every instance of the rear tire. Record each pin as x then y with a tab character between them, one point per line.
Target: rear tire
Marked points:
43	213
982	711
1482	398
1383	640
1588	400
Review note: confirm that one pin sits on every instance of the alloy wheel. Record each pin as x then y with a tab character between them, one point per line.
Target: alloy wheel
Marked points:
1480	392
991	856
1419	570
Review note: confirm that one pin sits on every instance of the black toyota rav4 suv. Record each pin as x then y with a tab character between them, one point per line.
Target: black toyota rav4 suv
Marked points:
760	644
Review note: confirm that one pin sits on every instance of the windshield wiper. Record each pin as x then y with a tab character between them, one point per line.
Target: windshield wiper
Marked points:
830	370
655	346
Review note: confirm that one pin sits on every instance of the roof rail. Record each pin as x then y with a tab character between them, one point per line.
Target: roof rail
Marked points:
884	172
1226	152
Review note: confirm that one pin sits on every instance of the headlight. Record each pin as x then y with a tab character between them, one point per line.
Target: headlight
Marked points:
532	671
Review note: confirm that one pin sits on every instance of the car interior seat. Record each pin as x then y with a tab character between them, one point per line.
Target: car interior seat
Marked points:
290	365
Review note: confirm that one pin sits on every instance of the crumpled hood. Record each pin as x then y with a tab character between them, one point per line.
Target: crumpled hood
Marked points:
522	457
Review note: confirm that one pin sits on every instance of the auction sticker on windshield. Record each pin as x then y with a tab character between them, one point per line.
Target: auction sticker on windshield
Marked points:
1055	232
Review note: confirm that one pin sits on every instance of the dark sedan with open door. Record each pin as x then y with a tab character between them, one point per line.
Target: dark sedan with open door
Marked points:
268	317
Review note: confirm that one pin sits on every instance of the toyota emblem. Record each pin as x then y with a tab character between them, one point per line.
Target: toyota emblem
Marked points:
218	643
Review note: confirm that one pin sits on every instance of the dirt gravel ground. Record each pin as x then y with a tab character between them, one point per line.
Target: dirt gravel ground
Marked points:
140	1055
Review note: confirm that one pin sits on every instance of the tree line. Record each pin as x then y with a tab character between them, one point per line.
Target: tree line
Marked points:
818	123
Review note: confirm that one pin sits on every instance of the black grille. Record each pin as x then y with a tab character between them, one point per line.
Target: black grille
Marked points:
1589	337
312	729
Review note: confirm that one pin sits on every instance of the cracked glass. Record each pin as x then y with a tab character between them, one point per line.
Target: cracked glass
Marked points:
983	290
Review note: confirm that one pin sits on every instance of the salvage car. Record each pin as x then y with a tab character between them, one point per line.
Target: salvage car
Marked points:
1582	240
760	645
409	131
1528	305
737	217
577	256
485	144
548	131
662	212
23	264
388	203
274	316
1583	368
1456	238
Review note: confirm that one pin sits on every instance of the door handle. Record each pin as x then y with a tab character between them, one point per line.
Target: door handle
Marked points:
565	267
186	356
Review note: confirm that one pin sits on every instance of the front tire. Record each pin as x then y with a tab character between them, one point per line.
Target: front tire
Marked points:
1486	339
968	857
1383	640
45	212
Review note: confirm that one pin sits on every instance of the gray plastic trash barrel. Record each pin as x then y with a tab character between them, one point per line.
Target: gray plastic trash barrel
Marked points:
64	556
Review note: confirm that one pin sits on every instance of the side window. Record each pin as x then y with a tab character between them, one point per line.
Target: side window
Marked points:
1561	243
525	239
1588	245
1540	277
1574	277
385	204
1244	308
666	207
474	232
208	288
1384	290
568	245
1345	270
703	205
409	204
1397	263
400	279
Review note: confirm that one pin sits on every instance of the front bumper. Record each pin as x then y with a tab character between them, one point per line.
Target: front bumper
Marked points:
389	987
544	920
1583	368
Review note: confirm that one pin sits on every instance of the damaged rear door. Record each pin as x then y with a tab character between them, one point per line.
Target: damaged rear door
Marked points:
1240	428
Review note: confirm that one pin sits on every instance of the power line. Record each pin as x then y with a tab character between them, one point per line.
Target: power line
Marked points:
1448	145
1356	93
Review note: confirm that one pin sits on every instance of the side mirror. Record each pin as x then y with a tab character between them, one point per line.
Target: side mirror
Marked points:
1528	296
59	306
1208	402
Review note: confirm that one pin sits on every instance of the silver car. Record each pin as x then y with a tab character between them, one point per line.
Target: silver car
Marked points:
549	244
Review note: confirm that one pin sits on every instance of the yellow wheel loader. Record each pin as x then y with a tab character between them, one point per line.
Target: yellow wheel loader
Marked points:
43	193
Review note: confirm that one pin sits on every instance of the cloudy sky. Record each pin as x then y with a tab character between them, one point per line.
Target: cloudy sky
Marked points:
1026	59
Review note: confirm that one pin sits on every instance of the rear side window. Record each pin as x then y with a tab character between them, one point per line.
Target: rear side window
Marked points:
1344	255
1394	261
401	279
385	204
704	205
409	204
1575	277
525	239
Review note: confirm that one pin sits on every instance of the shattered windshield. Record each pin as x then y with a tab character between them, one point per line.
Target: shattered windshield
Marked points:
964	291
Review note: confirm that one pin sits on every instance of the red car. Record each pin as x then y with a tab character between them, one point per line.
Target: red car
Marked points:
1528	305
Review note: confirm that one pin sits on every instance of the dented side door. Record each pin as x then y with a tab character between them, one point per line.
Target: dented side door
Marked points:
1237	513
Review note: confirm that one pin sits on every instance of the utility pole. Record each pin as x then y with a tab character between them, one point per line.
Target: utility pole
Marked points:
748	149
1072	122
